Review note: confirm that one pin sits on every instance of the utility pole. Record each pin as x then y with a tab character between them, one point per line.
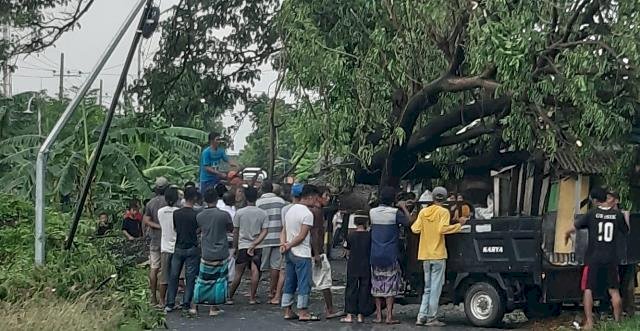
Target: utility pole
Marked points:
61	92
100	97
6	71
139	60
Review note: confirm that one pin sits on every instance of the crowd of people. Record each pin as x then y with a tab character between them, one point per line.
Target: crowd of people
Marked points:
211	234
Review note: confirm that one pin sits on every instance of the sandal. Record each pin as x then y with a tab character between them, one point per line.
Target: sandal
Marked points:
311	318
392	322
255	302
377	321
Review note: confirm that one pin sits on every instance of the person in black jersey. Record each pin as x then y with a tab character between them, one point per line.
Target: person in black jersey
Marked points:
605	226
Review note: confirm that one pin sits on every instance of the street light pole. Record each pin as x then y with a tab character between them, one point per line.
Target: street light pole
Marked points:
41	160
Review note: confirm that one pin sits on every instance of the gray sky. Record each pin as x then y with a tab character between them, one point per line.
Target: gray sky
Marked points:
82	48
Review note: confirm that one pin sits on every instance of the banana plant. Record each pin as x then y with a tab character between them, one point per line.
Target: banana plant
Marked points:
131	159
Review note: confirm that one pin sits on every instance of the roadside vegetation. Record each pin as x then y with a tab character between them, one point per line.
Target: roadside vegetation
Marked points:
95	286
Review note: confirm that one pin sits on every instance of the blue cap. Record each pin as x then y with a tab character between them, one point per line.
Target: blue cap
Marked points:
296	190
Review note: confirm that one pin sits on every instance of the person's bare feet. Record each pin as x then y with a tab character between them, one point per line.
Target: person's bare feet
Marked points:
347	319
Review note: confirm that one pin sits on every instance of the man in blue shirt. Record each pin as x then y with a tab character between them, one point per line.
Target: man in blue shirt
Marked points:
210	159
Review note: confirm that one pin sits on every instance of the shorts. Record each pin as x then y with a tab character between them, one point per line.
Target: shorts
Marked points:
154	259
165	268
271	258
244	258
321	273
599	278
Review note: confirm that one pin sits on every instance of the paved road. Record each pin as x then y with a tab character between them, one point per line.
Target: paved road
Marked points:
264	317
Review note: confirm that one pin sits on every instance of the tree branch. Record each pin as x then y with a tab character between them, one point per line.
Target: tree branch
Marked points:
295	163
480	164
470	134
576	13
37	38
426	138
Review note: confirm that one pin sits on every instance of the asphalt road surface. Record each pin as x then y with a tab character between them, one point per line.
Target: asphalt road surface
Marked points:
265	317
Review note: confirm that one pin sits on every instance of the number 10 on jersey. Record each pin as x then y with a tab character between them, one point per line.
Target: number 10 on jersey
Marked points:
605	231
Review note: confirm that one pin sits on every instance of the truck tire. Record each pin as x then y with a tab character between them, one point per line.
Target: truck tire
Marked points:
483	305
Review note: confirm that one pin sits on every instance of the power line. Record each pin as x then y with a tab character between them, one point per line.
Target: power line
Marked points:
35	66
37	58
32	76
46	58
35	69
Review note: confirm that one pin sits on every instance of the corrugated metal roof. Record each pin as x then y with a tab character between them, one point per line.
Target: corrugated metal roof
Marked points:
570	160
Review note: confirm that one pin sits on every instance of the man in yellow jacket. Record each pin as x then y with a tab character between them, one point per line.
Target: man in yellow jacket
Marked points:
432	224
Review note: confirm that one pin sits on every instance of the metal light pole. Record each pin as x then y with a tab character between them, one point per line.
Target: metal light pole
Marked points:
53	135
107	124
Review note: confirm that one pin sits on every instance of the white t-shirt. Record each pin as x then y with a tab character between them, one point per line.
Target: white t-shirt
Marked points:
229	209
168	238
296	216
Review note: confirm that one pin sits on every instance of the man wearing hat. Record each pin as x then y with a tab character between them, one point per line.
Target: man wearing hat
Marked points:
150	219
432	224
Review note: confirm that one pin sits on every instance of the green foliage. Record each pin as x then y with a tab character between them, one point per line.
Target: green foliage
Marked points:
96	266
569	67
40	22
292	144
211	52
141	152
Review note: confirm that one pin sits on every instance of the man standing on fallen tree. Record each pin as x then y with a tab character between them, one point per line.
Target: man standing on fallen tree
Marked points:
605	226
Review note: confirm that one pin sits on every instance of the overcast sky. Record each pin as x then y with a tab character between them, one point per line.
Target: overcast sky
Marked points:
82	48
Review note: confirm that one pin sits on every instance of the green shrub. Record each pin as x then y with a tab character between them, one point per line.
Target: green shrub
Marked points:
101	267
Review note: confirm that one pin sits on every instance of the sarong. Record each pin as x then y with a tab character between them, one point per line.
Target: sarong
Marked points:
385	281
211	284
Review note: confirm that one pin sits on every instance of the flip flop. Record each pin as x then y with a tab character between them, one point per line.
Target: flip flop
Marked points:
378	321
334	315
392	322
312	318
229	302
256	302
292	317
276	303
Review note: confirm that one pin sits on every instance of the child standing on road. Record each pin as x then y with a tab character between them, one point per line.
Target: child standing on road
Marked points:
358	292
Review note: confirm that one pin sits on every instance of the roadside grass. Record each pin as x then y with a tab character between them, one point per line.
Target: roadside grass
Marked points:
631	324
48	312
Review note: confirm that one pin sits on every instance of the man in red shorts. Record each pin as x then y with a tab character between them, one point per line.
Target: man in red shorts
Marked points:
605	226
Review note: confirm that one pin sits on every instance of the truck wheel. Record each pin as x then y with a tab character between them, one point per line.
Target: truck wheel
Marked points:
483	305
